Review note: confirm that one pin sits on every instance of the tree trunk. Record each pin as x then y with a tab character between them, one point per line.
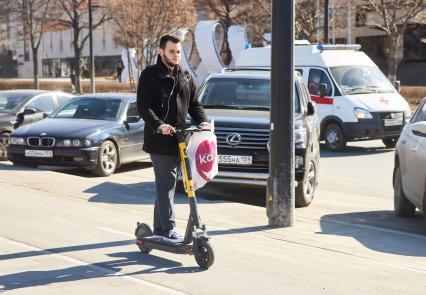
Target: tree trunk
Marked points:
35	68
77	55
395	55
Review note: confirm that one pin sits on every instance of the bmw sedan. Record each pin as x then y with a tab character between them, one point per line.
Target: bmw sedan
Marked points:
99	132
409	177
20	107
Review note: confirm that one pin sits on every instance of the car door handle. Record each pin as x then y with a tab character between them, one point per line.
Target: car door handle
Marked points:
414	149
403	141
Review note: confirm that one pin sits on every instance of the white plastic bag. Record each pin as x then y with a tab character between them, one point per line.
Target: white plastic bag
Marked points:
202	153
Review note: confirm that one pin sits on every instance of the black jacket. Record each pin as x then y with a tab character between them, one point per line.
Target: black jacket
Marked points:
154	90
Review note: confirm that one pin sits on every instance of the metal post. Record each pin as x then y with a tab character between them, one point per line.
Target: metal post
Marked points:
280	190
325	21
92	58
349	13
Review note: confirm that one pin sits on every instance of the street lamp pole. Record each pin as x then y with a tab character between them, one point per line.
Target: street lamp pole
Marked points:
92	58
280	188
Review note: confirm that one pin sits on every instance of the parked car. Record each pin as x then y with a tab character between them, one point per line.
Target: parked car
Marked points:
99	132
238	101
20	107
409	177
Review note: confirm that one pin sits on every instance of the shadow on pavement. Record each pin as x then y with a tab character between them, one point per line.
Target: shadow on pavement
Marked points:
380	231
142	193
351	151
102	269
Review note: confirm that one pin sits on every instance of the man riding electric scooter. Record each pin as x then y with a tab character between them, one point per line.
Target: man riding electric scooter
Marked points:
166	95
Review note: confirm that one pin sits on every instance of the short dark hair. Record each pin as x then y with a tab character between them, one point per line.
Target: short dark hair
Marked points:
167	38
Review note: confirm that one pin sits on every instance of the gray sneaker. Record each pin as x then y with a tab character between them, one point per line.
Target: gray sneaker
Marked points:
173	236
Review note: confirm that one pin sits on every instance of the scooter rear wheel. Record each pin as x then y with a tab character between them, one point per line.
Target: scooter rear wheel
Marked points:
205	254
143	230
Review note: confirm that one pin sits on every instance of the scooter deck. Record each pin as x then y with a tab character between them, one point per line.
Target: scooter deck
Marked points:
159	243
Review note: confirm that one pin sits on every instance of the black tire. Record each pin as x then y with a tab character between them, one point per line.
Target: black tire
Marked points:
4	141
305	190
390	142
107	160
334	137
143	230
402	206
205	257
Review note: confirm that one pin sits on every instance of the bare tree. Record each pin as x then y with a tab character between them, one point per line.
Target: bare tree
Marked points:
395	16
141	24
74	14
31	16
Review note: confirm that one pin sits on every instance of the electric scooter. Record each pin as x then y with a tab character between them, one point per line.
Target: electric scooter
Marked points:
196	241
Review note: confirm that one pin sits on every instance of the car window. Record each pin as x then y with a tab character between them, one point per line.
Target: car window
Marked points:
316	77
90	108
133	110
420	114
9	101
236	92
62	99
42	103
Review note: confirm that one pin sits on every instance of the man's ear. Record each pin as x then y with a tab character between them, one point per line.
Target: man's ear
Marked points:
161	51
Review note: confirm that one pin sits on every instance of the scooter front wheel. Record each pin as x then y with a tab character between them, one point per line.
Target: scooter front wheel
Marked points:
143	230
205	255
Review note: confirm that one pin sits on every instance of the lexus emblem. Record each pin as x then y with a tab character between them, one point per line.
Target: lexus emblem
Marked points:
233	139
43	134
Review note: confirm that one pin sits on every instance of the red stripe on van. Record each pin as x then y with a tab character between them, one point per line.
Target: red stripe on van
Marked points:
321	100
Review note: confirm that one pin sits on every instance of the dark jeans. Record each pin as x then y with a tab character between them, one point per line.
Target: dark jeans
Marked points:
166	170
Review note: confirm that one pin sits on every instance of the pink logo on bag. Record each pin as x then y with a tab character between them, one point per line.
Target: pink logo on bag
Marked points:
205	157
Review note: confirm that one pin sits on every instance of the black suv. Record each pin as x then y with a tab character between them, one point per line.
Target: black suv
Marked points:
238	101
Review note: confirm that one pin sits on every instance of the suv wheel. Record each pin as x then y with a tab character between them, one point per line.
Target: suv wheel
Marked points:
305	190
335	140
390	142
402	206
107	160
4	141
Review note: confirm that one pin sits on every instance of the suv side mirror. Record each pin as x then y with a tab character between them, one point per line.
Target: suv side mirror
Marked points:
29	111
311	108
419	128
323	89
133	119
397	85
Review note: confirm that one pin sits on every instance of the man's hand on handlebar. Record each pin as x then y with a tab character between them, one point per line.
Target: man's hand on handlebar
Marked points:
166	129
205	125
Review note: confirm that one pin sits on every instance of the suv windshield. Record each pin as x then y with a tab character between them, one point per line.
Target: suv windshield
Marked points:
238	93
361	79
9	102
90	108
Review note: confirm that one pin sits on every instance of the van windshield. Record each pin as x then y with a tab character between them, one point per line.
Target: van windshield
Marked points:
238	93
361	80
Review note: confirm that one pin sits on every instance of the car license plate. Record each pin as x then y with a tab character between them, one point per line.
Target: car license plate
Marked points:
235	160
38	154
393	122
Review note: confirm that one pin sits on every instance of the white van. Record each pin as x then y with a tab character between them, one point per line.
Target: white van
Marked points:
355	100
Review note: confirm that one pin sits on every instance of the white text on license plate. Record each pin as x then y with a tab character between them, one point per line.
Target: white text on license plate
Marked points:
235	160
394	122
38	154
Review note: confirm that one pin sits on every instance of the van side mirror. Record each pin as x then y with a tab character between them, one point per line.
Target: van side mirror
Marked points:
29	111
311	108
323	89
397	85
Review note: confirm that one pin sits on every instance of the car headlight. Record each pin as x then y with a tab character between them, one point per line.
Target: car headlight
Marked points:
362	114
300	135
17	140
75	143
